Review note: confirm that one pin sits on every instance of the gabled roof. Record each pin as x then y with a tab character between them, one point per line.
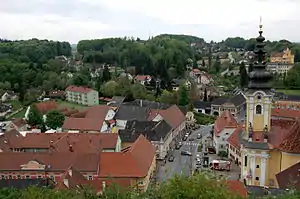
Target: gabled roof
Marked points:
142	77
233	139
202	105
290	177
129	112
149	104
153	131
133	162
173	116
291	143
19	122
116	101
285	113
236	100
78	89
225	120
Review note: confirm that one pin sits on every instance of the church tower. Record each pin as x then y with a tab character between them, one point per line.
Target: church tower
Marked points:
259	95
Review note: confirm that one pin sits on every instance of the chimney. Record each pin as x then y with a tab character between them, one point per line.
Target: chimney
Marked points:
103	185
141	103
70	172
71	148
66	182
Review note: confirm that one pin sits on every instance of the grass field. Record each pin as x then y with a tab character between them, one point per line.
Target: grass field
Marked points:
20	114
289	92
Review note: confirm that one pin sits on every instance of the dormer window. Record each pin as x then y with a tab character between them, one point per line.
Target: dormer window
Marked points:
258	109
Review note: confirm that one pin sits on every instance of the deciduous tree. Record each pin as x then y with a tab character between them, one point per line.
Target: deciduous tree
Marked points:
54	119
35	117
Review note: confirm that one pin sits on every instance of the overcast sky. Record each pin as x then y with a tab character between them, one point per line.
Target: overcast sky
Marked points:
74	20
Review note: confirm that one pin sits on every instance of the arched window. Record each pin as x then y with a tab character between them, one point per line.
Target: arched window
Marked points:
258	109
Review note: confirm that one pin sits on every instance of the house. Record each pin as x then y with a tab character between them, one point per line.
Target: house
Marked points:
58	94
177	123
235	105
38	165
143	79
13	141
96	119
176	83
82	95
286	57
233	146
130	112
279	68
148	104
19	124
136	163
158	133
4	109
127	75
289	178
224	126
8	95
202	107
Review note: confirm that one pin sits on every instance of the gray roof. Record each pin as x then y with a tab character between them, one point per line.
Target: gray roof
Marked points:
236	100
154	131
129	112
202	105
116	101
252	145
262	191
148	104
178	82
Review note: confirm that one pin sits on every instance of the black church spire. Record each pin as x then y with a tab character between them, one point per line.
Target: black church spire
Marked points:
260	78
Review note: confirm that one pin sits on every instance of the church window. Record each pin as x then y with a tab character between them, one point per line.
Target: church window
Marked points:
258	109
258	97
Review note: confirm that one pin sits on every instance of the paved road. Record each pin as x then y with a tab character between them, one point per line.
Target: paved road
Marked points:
183	164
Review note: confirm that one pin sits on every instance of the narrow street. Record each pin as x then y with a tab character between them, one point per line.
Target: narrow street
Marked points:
183	164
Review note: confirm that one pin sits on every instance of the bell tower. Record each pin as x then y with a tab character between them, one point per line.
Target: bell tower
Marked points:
259	95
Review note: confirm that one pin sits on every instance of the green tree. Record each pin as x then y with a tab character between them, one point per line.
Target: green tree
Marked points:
183	96
35	117
203	63
217	65
106	76
54	119
243	76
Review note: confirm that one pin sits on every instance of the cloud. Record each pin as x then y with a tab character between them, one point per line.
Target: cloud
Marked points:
73	20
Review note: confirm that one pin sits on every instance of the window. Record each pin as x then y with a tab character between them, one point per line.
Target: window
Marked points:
2	176
9	177
246	160
39	177
257	166
27	177
141	182
258	97
18	176
258	109
256	178
90	177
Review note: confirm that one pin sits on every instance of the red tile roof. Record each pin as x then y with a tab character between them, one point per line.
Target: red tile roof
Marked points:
78	89
289	178
93	120
60	142
279	130
19	122
233	139
237	187
285	113
56	93
134	162
47	106
142	77
12	161
225	120
173	116
291	143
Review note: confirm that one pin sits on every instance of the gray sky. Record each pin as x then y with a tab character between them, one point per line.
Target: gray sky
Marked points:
74	20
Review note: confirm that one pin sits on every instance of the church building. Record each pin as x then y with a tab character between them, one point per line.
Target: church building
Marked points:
267	147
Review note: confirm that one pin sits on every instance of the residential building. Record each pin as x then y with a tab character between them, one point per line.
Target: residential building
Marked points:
268	147
224	126
8	95
82	95
279	68
286	57
235	105
202	107
4	110
176	83
158	133
130	112
95	119
13	141
143	79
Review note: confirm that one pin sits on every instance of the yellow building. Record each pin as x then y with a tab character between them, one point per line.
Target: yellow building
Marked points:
267	146
285	57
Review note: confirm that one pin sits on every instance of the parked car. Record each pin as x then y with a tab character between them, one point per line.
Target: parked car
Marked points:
211	150
184	138
199	136
171	158
198	161
178	145
186	153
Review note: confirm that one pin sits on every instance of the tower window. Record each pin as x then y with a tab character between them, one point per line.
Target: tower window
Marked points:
258	109
259	97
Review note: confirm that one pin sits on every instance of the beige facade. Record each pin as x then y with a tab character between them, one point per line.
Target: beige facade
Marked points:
85	98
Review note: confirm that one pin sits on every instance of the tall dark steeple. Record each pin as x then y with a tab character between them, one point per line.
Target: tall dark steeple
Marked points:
260	78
